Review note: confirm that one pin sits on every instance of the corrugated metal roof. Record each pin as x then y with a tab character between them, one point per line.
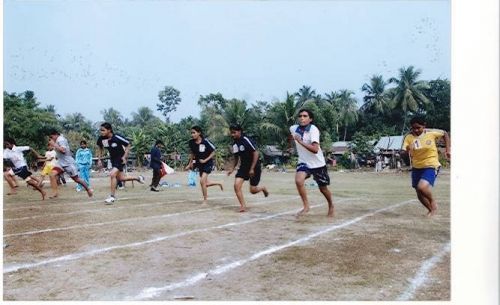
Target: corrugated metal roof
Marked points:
389	143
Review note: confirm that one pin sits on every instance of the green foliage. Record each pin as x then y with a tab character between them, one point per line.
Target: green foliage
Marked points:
361	143
114	117
141	144
385	112
25	121
169	99
438	113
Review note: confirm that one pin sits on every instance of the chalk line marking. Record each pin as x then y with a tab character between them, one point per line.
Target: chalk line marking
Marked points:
135	219
151	292
74	256
46	204
114	207
421	277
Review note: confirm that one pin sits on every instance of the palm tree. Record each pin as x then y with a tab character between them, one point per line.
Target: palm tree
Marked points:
113	117
305	95
142	116
409	94
375	98
349	109
332	99
278	120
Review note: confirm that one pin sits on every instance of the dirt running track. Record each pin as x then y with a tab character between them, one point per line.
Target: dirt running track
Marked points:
166	246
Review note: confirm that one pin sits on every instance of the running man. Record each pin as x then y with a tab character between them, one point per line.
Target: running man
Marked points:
15	155
119	148
420	143
244	150
201	157
65	163
311	160
84	162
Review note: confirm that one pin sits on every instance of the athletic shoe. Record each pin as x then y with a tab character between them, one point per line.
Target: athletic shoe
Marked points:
121	187
109	200
141	179
154	189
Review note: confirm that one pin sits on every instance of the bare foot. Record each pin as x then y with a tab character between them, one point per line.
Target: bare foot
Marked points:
266	193
43	195
90	193
204	202
53	196
433	209
331	212
302	212
242	209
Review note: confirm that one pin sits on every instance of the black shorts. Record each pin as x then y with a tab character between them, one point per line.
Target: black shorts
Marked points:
244	174
22	172
118	164
320	174
205	168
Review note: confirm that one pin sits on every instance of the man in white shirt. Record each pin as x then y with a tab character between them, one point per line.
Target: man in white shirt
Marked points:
20	167
311	160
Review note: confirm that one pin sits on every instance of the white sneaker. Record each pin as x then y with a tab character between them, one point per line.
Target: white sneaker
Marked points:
121	187
109	200
141	179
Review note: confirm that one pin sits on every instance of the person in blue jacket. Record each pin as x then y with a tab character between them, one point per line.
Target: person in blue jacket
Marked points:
84	163
155	164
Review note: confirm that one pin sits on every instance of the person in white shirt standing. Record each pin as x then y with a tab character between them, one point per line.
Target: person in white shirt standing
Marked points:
311	160
15	155
65	163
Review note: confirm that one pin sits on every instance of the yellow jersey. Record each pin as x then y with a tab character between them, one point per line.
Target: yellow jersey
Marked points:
423	148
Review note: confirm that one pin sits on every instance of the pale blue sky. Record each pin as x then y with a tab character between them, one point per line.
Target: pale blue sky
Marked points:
85	56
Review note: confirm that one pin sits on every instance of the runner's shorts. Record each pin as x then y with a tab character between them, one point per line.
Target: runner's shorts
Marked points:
205	168
22	172
427	174
244	174
71	170
320	174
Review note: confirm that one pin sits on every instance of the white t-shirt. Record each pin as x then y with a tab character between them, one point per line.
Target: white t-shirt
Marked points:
51	154
15	155
309	136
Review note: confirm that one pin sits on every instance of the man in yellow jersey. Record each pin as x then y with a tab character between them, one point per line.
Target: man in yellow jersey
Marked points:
420	143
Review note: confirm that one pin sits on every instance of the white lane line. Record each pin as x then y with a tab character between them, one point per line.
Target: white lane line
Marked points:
107	209
16	267
45	205
38	207
421	277
135	219
151	292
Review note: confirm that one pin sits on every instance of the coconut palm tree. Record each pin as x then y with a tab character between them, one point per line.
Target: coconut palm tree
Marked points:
305	95
348	109
375	98
409	94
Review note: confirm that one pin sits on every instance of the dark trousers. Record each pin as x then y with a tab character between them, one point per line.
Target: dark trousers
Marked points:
156	177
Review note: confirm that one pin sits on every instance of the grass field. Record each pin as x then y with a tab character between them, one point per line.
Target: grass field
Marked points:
166	246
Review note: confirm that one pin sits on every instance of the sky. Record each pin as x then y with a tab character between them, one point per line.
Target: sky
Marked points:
87	56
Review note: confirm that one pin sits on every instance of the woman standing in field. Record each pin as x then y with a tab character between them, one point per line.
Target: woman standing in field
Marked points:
420	144
201	157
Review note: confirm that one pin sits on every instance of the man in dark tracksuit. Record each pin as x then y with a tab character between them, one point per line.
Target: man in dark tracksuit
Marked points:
155	164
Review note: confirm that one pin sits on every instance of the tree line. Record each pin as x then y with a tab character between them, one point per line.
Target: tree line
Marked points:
385	109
